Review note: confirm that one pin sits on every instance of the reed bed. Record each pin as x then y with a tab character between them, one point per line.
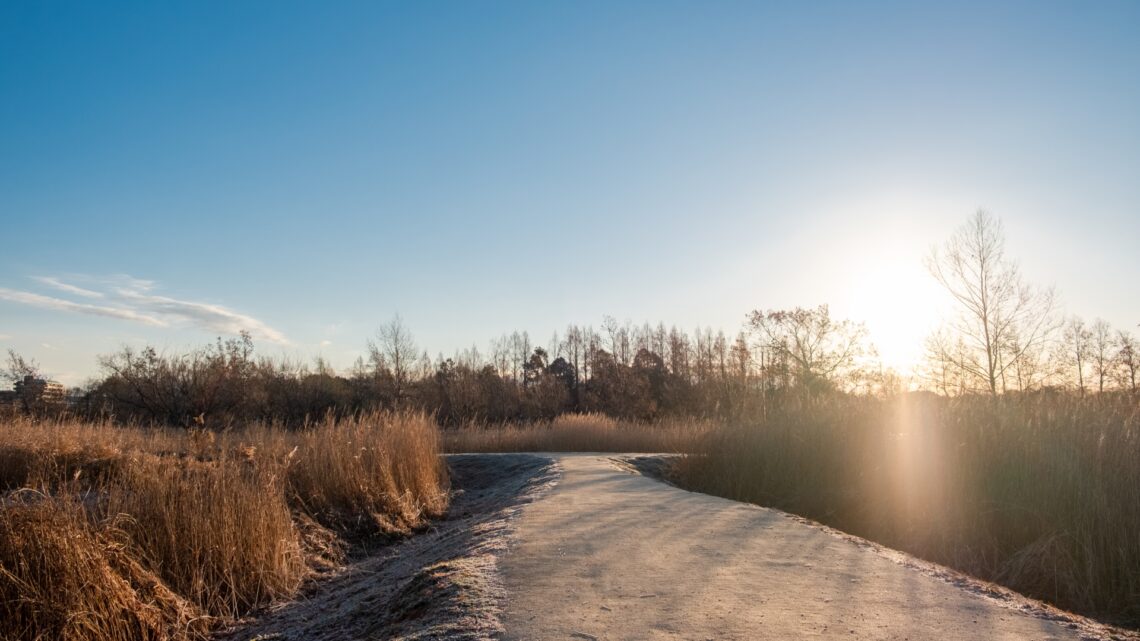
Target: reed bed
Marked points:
132	533
386	477
579	433
1036	492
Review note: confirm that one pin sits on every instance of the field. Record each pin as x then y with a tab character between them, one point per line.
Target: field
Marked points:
126	533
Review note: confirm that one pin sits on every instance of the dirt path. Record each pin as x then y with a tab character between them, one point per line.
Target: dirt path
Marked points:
608	554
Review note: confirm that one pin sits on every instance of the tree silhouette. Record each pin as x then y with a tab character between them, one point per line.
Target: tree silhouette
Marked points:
1001	318
813	351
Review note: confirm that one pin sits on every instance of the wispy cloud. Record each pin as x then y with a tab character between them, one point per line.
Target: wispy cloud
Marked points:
128	298
59	304
65	287
212	317
5	337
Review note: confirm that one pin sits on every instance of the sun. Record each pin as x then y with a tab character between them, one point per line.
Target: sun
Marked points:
900	303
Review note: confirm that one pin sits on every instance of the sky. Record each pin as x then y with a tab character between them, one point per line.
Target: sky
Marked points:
173	172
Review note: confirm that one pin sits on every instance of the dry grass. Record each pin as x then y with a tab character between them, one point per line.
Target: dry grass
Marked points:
1037	493
219	534
156	534
62	577
383	475
578	433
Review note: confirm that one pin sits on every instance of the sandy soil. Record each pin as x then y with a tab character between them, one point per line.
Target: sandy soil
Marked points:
609	553
439	584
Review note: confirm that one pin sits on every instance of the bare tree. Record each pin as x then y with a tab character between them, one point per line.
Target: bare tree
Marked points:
620	340
520	354
19	367
575	349
394	354
1076	344
1030	367
679	353
720	355
501	355
1127	359
1001	317
1102	360
740	358
816	351
943	353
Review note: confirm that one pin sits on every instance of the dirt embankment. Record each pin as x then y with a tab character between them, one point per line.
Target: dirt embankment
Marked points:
439	584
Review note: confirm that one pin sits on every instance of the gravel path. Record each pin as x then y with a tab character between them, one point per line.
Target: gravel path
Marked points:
609	554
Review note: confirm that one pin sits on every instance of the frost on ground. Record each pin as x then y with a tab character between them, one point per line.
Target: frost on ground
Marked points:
440	584
1055	623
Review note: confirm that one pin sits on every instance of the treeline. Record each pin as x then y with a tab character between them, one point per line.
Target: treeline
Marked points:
637	372
640	372
1006	336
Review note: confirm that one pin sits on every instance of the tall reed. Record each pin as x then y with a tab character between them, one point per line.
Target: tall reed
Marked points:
578	433
131	533
1037	492
63	577
379	472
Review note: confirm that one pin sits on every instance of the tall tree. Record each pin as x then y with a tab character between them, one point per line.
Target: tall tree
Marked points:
943	352
1076	341
816	351
394	354
1102	360
19	367
1127	359
1001	317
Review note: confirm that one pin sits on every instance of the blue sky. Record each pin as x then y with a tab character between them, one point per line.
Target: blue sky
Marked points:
170	172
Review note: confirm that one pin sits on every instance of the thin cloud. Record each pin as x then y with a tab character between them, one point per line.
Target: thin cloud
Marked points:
66	287
208	316
128	282
59	304
129	299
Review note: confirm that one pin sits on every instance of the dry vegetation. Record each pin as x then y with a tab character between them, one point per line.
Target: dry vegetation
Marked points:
1036	492
117	533
579	433
125	533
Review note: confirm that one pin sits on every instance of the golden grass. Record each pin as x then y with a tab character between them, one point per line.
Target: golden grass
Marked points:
156	534
384	474
62	577
578	433
219	534
1037	492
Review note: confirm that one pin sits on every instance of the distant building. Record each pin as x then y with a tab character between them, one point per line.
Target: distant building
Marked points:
38	394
